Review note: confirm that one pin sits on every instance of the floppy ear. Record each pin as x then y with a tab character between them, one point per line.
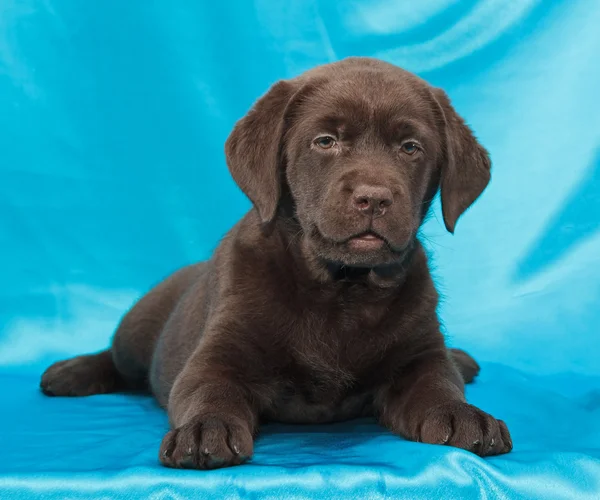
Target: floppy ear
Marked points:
466	165
253	149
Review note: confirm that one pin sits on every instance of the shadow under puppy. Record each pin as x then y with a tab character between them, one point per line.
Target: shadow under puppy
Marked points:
318	305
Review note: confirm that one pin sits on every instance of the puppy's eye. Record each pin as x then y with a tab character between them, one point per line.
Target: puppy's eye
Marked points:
325	142
410	148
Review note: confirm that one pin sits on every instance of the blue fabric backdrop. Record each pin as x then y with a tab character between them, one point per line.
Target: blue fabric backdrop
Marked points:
113	116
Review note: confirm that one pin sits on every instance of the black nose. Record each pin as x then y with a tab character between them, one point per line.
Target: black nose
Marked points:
372	200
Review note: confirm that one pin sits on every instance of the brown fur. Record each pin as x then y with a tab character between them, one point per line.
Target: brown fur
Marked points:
299	317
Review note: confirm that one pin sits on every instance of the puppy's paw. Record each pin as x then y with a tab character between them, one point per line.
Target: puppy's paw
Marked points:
465	426
82	376
207	442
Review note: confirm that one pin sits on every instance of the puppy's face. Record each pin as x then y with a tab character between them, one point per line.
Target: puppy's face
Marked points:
362	146
361	156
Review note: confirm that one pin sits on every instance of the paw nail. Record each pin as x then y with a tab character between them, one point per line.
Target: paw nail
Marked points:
476	442
446	439
492	442
205	451
189	450
236	449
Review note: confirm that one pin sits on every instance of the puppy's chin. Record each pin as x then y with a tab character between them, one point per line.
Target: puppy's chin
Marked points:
365	251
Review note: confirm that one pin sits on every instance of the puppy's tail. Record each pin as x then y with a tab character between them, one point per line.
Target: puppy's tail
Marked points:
467	366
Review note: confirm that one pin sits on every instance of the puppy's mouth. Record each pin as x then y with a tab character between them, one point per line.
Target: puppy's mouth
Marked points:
366	242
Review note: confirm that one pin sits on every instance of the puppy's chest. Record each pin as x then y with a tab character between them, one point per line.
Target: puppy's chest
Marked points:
318	388
331	374
340	343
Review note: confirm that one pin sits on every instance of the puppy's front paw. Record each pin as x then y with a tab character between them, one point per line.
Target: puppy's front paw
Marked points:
465	426
207	442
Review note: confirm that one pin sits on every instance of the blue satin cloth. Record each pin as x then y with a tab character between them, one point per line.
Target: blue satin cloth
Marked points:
113	116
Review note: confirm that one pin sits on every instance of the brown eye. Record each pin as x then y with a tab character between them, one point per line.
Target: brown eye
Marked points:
325	142
410	148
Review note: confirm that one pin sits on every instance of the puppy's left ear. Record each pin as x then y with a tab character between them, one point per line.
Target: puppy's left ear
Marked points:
253	149
465	171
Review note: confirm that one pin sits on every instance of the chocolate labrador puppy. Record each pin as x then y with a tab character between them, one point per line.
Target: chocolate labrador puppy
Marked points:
318	306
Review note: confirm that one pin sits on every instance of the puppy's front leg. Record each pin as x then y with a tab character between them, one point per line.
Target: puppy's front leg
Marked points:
426	403
211	411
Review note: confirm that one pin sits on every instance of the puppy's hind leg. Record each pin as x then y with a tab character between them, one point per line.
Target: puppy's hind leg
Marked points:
82	376
467	366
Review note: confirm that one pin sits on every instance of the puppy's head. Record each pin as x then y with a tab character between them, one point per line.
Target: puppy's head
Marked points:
362	147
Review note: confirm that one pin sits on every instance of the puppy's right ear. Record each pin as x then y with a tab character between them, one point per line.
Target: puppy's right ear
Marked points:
253	149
